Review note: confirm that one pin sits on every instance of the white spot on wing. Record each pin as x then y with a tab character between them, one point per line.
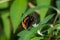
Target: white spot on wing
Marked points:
35	25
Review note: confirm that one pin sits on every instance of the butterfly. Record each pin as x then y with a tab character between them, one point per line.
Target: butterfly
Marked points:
29	20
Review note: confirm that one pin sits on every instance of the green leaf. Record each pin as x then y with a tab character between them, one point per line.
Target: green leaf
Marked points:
27	35
3	37
4	4
58	22
18	7
55	29
44	10
47	19
51	29
37	38
58	37
58	4
57	26
6	24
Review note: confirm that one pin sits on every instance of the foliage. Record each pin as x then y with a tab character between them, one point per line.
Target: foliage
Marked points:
13	12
